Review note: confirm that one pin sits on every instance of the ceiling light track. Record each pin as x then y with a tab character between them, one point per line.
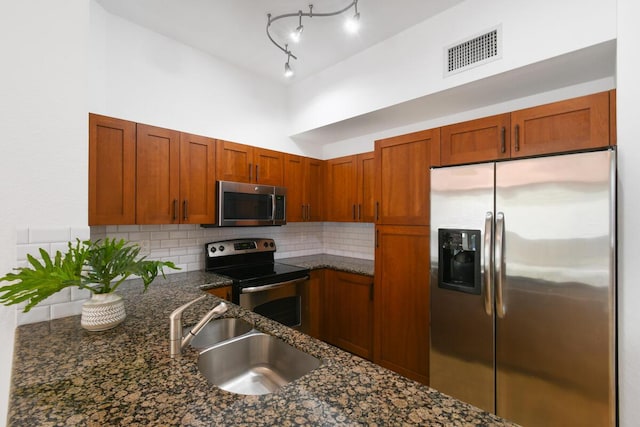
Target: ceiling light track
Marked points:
296	34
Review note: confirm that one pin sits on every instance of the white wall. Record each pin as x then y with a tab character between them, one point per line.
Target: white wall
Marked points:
410	65
43	93
628	207
142	76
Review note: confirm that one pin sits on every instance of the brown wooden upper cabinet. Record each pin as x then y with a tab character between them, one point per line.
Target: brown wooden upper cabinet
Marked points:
244	163
175	177
478	140
575	124
350	188
304	179
402	177
112	169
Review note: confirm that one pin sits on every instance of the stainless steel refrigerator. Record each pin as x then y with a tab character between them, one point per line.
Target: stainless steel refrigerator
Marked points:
523	295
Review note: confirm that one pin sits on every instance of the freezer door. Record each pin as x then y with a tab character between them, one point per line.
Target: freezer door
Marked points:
462	345
555	306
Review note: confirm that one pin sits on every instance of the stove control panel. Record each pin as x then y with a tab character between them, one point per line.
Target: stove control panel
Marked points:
239	246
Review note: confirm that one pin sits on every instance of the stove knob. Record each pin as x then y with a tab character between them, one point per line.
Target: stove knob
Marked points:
221	248
212	249
266	245
271	244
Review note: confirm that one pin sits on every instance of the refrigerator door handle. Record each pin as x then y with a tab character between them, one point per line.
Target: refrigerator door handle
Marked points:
488	263
499	264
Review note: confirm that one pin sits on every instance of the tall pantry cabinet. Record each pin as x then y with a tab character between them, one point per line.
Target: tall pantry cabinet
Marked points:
401	296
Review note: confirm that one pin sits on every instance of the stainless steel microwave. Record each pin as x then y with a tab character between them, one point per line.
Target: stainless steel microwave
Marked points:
241	204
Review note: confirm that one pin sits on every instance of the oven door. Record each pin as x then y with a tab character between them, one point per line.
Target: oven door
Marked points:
283	302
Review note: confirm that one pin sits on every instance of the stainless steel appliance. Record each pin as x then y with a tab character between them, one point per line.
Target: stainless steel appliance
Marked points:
242	204
275	290
523	320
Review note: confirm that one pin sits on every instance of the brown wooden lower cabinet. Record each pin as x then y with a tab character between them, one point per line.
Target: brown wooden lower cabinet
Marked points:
401	326
223	292
348	312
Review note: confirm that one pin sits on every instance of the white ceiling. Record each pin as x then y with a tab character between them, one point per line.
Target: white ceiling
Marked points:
235	30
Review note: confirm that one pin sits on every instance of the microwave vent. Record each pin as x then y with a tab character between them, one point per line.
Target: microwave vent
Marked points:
473	51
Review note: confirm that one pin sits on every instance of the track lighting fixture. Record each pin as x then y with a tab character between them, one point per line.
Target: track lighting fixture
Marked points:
351	25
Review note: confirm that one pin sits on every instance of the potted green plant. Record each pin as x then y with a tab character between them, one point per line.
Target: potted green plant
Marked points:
99	267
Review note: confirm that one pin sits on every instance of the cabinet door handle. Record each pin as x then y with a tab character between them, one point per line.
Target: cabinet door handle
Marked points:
353	213
378	238
257	170
517	145
371	291
185	205
175	209
359	212
503	146
376	214
308	212
250	172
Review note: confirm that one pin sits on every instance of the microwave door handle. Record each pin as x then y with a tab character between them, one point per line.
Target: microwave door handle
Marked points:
273	207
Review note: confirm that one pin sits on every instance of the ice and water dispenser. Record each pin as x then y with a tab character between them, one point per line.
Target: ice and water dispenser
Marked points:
459	260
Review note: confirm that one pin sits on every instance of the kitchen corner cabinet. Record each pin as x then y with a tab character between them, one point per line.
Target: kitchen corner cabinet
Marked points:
348	312
313	300
304	179
401	300
477	140
112	169
350	188
574	124
244	163
223	292
175	177
402	177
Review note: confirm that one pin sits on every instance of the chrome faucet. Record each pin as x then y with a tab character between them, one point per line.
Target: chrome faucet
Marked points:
177	341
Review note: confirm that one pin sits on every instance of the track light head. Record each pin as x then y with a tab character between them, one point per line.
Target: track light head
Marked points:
288	72
352	25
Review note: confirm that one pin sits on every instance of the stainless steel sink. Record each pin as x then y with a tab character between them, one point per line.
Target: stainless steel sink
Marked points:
255	363
217	331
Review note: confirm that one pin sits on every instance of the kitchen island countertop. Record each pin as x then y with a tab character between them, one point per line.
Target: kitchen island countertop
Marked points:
64	375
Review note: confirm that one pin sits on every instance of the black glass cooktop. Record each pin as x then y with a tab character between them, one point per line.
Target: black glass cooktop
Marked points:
263	273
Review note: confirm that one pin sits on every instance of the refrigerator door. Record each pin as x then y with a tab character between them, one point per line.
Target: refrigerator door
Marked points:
462	346
555	355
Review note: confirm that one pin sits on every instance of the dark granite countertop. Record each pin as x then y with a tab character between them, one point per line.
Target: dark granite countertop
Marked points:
64	375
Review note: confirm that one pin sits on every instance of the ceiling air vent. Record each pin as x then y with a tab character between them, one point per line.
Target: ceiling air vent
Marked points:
473	51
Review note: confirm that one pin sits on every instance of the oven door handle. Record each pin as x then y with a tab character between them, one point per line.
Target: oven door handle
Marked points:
272	286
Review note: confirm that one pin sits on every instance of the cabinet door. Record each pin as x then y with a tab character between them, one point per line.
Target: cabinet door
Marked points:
295	183
574	124
351	304
476	140
402	180
401	327
341	189
268	167
314	300
197	179
366	183
112	169
234	162
314	189
223	292
157	175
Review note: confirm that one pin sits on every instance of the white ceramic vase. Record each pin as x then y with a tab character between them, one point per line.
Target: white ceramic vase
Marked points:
102	312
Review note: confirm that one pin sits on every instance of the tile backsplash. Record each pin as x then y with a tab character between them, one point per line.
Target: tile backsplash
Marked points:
184	245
